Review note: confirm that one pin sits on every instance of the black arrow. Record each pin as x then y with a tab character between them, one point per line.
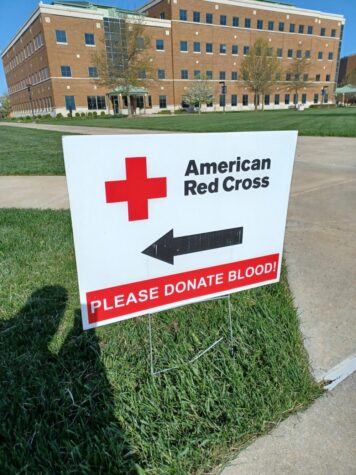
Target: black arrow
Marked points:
167	247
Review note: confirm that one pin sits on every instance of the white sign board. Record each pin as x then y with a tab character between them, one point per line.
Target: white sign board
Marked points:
164	220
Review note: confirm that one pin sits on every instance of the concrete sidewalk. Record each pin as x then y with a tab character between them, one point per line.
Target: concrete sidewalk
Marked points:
83	130
320	249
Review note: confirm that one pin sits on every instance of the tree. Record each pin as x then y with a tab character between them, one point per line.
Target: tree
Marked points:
200	92
259	69
5	106
297	75
129	64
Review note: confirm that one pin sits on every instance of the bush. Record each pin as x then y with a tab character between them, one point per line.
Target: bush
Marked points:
102	114
82	114
59	116
77	114
164	112
39	116
322	106
47	116
95	114
90	114
28	117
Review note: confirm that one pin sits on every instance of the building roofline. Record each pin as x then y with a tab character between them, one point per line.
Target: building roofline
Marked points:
265	5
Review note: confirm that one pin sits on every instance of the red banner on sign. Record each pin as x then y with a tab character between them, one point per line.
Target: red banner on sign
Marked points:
122	300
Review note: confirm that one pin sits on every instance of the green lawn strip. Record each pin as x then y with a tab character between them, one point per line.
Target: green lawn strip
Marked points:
30	152
84	402
315	122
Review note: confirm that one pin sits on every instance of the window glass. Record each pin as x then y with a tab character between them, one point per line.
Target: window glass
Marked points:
276	99
101	102
184	45
209	47
301	29
196	74
196	47
247	22
184	74
333	33
246	50
279	52
222	75
89	39
234	76
320	55
161	73
271	25
70	103
322	31
162	102
160	45
196	17
235	21
61	36
234	49
209	18
290	53
267	100
66	72
234	99
292	27
245	100
92	72
330	56
308	54
260	24
209	74
222	19
304	98
281	26
183	15
310	30
287	99
222	100
222	48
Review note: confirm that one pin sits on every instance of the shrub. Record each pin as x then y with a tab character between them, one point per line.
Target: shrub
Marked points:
95	114
39	116
82	114
77	114
28	117
47	116
90	114
165	112
323	106
59	116
102	114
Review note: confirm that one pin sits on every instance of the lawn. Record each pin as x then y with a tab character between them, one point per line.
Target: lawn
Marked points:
329	122
30	152
84	402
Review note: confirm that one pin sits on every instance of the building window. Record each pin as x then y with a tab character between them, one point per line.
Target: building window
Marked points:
295	99
196	17
304	98
196	74
308	54
234	49
299	53
290	53
162	102
183	15
330	56
222	100
61	36
223	20
271	25
162	15
288	76
322	31
301	29
141	74
222	75
267	100
292	28
160	45
320	55
310	30
233	75
70	103
316	98
278	76
209	18
333	33
276	99
281	26
260	24
246	50
247	22
317	77
196	47
287	99
305	77
161	73
235	21
184	46
66	72
140	42
209	74
209	47
234	99
328	78
245	100
89	39
92	72
96	102
184	74
279	53
222	48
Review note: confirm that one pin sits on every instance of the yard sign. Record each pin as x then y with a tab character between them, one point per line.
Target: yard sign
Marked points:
164	220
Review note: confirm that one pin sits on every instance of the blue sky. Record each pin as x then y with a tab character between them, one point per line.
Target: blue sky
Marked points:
13	13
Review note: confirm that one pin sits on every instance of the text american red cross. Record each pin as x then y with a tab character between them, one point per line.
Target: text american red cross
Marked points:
137	189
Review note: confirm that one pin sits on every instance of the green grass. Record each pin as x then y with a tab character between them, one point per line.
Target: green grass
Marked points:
30	152
319	122
84	402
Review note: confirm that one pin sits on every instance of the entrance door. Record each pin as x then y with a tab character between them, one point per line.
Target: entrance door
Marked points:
115	104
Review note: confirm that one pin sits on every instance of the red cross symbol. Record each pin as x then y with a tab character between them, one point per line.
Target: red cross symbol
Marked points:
137	189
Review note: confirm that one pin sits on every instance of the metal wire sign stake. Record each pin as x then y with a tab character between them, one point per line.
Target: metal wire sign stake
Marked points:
200	353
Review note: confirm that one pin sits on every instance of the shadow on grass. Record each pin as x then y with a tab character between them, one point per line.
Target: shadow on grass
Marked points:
56	410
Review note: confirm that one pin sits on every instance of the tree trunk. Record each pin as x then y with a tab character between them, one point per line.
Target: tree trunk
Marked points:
129	112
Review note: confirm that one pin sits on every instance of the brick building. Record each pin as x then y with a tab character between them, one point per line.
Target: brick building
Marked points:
48	64
347	65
